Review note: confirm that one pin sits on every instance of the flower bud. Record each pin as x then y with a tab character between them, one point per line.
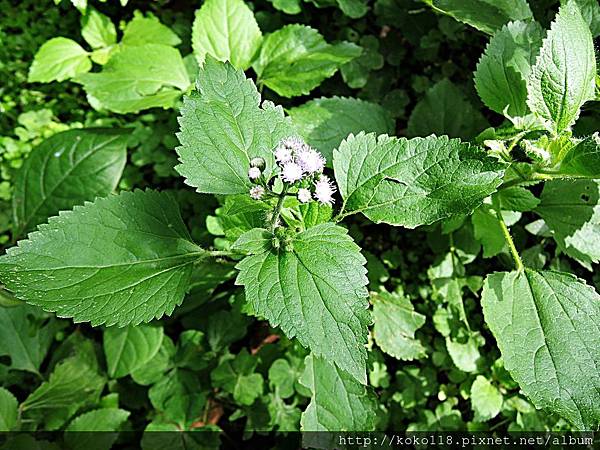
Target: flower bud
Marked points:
258	162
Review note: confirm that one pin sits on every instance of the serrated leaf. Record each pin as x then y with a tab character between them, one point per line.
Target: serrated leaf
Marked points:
314	291
57	60
570	208
138	77
66	170
563	77
227	31
124	259
97	29
396	322
436	114
148	30
412	182
583	159
296	59
503	70
241	213
338	403
486	399
485	15
546	326
325	122
590	10
517	198
8	410
131	347
95	430
223	128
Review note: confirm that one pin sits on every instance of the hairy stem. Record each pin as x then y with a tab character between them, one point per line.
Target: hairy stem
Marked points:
510	242
277	211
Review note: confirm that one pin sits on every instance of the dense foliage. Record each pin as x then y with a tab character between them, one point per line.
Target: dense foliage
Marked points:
255	218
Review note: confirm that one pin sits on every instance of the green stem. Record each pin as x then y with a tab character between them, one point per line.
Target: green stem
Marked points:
7	300
277	211
510	242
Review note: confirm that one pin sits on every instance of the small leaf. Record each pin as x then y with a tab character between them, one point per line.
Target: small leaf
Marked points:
8	410
148	30
517	198
97	29
131	347
487	231
354	9
227	31
486	400
236	375
57	60
583	159
296	59
66	170
95	430
315	291
412	182
563	77
546	325
121	260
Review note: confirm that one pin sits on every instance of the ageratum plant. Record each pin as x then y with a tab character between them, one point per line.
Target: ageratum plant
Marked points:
128	259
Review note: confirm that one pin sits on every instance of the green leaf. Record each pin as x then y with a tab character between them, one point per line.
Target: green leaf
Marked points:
338	403
354	9
282	378
517	198
8	410
97	29
57	60
139	77
241	213
487	231
296	59
314	290
129	348
486	399
563	77
236	375
436	114
590	10
583	159
92	430
412	182
227	31
124	259
572	212
148	30
503	70
325	122
66	170
546	326
153	370
25	337
485	15
223	128
287	6
396	322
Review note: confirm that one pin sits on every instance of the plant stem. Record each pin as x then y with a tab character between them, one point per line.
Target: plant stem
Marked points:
277	211
510	242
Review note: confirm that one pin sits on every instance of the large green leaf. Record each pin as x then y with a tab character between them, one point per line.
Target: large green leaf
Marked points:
564	74
314	289
148	30
226	30
223	127
547	325
138	77
503	70
131	347
325	122
412	182
95	430
121	260
485	15
57	60
66	170
97	29
338	403
583	159
296	59
590	10
8	410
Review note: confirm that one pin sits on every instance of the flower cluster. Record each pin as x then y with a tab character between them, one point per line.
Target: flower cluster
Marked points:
299	166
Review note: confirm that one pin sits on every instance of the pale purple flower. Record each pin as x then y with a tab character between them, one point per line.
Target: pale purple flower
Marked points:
293	143
283	154
254	173
304	195
257	192
324	190
291	172
310	160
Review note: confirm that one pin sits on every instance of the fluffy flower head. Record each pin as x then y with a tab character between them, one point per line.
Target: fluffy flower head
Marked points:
254	173
291	172
324	190
257	192
304	195
283	154
310	160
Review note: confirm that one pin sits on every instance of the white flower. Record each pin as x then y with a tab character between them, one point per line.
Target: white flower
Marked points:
283	154
324	190
304	195
293	143
257	192
310	160
257	162
254	173
291	172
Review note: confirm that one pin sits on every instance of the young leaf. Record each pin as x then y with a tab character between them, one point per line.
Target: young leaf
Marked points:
436	114
296	59
486	399
503	70
131	347
8	410
121	260
395	324
223	127
314	290
583	159
337	403
236	375
138	77
563	77
412	182
57	60
546	325
353	8
92	430
485	15
97	29
325	122
590	10
66	170
148	30
488	231
227	31
517	198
